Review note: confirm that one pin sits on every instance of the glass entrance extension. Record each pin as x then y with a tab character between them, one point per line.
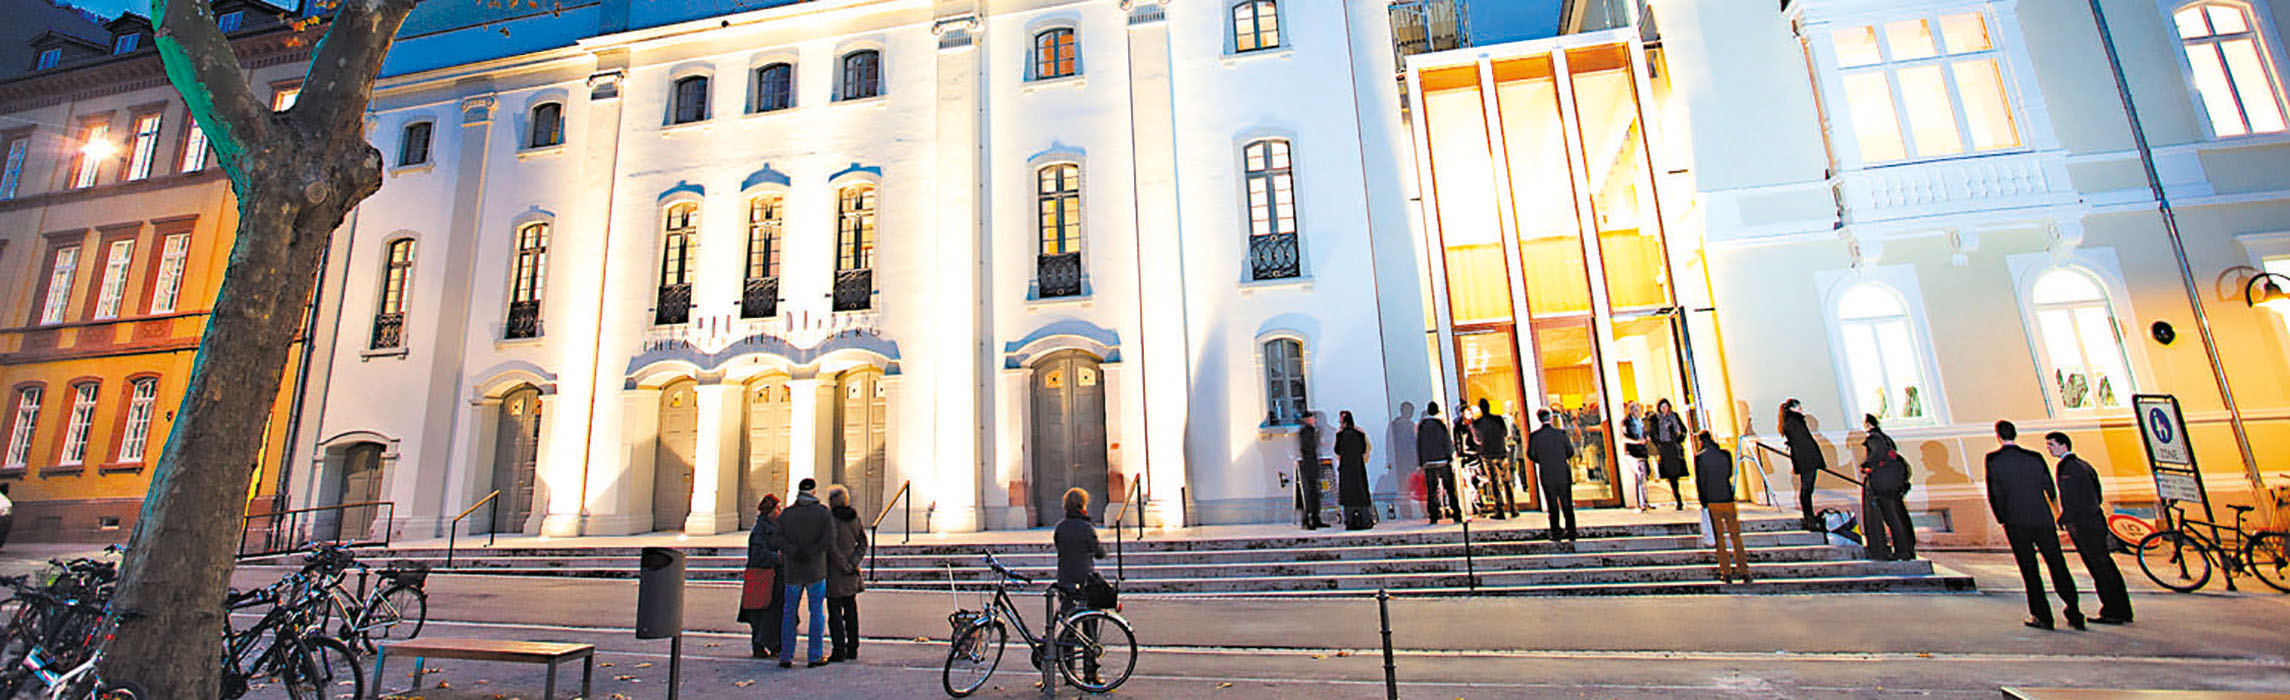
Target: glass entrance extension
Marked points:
1553	282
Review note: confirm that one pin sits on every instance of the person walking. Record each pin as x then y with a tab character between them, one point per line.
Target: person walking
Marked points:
1884	496
760	598
1308	469
1435	453
1668	433
1634	445
2083	512
846	551
1466	463
1713	482
1495	458
1804	458
806	530
1553	454
1352	474
2021	495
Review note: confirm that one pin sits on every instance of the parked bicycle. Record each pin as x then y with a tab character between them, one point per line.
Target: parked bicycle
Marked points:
1095	650
396	607
2180	555
57	611
54	675
310	664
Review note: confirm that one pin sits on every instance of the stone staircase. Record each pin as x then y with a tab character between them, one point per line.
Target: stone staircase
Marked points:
1634	559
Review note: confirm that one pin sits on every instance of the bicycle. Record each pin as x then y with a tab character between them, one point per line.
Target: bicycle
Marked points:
382	612
47	614
59	678
1087	642
2179	557
306	661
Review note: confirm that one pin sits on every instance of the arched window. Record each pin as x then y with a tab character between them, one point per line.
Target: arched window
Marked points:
691	100
390	306
862	74
27	417
1054	54
548	125
1255	25
2076	329
81	419
1272	245
1057	193
2231	70
854	247
527	276
413	149
142	397
760	299
1885	376
1285	402
678	232
774	88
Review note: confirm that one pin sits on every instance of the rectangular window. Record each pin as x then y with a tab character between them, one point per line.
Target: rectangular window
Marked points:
60	273
146	148
195	150
114	286
20	430
1924	87
1255	25
12	170
125	43
75	430
138	433
174	251
414	148
49	58
94	145
2228	58
231	21
283	98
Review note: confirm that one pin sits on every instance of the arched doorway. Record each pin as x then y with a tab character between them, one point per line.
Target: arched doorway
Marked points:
516	453
672	463
361	483
864	411
1068	433
767	433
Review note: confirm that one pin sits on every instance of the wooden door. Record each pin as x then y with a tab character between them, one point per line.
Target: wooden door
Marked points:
361	483
516	451
679	450
1068	434
864	413
767	433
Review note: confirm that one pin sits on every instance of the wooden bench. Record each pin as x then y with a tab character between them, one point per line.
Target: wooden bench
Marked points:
2103	694
550	653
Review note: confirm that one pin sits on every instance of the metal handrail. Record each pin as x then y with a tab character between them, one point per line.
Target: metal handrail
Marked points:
453	531
271	546
874	528
1785	453
1134	494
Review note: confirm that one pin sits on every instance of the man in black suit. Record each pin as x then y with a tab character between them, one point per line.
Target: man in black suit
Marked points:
1308	469
1495	458
2020	494
1553	455
1435	452
2082	512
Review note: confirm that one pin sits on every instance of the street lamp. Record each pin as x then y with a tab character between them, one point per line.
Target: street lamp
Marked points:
2268	295
98	149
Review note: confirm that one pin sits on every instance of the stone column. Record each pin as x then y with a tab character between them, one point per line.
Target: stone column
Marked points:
715	478
962	335
580	252
1164	365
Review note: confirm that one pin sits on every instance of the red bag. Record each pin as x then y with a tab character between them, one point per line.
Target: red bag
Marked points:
1415	486
755	589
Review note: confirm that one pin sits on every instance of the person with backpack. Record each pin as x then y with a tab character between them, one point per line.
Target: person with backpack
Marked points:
805	531
1884	496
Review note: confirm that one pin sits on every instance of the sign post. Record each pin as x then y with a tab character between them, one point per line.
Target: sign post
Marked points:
2169	452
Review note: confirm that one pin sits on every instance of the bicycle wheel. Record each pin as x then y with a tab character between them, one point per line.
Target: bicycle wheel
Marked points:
322	667
971	660
121	690
2269	560
1096	651
398	615
24	630
2174	560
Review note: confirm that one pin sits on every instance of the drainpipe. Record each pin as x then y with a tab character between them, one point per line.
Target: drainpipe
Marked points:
2179	251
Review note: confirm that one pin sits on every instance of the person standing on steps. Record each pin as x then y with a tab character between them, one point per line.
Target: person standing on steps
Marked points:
760	597
2083	513
1308	469
1435	453
844	582
1634	445
1495	458
1804	458
1668	433
806	529
2021	496
1713	482
1553	454
1884	496
1466	463
1352	474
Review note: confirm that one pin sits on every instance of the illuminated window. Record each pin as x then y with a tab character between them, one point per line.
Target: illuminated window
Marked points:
862	75
146	147
2076	333
76	428
774	88
230	21
691	100
1273	248
94	144
113	286
12	170
1057	197
140	402
174	251
60	272
2230	69
1924	87
678	233
49	58
527	275
413	148
390	307
1284	381
283	99
195	150
1054	55
548	125
855	228
20	428
124	43
760	296
1255	25
1884	365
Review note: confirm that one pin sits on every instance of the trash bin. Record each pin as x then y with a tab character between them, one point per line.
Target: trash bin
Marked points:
660	593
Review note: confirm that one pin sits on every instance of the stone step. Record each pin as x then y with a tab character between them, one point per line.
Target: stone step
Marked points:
1587	576
1936	583
1457	564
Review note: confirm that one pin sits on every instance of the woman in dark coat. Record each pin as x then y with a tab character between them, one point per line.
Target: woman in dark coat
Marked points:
846	550
1884	496
1804	458
1352	475
760	595
1668	433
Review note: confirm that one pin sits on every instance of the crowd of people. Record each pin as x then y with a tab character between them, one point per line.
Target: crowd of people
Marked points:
806	554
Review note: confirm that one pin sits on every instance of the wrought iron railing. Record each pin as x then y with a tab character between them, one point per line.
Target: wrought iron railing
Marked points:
1273	256
277	532
389	331
524	320
674	305
854	290
760	299
1059	275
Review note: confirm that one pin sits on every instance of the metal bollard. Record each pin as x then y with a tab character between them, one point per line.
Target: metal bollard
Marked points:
1391	673
1470	568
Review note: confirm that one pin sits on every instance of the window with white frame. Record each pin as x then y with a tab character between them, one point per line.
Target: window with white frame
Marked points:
195	150
673	303
12	169
116	259
1057	196
1273	250
2075	328
174	251
528	274
2232	75
390	308
60	273
76	427
759	295
20	427
1883	362
1255	25
1285	402
1924	87
94	143
141	399
145	150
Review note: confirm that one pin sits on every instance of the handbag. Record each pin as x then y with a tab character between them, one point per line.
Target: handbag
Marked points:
1634	449
1100	594
1709	533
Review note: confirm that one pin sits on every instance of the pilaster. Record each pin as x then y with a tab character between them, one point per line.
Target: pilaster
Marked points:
1164	363
961	337
715	478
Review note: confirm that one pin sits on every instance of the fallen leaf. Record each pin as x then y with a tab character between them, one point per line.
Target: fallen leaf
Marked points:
442	685
604	664
646	664
922	640
1224	685
1317	657
742	684
624	678
711	645
1346	652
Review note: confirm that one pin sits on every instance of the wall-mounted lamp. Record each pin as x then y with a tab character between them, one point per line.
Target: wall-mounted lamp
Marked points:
2263	291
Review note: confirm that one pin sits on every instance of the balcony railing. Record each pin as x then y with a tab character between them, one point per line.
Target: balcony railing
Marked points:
1273	256
1059	275
760	299
524	320
389	331
854	290
675	305
1424	26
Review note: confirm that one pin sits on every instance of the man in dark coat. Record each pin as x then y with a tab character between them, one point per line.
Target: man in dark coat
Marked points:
805	531
1352	474
1495	458
1308	469
1553	455
1805	458
2021	495
2083	512
1435	452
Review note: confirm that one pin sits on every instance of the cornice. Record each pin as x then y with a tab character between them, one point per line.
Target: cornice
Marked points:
133	72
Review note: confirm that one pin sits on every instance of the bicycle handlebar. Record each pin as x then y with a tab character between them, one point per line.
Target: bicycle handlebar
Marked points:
1005	571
